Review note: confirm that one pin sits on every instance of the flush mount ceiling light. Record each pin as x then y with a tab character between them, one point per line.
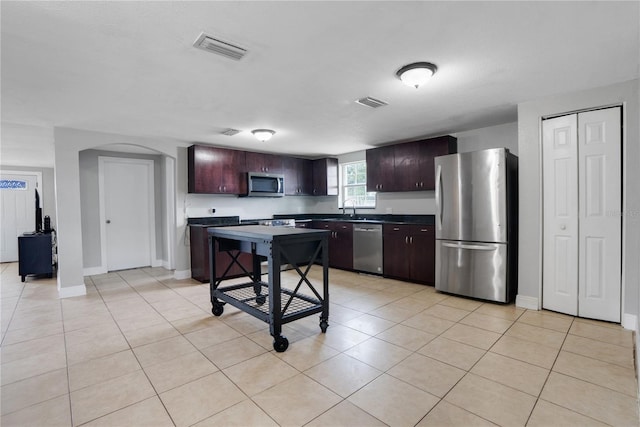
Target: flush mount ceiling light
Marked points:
263	134
416	74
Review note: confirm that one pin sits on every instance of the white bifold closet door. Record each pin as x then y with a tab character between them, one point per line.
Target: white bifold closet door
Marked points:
582	203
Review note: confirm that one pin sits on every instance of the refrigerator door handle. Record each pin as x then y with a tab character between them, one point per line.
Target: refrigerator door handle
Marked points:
473	247
439	204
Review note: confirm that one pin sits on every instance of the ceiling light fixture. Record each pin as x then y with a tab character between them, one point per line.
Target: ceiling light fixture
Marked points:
416	74
263	135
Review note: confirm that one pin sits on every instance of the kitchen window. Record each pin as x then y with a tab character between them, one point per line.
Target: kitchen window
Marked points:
353	188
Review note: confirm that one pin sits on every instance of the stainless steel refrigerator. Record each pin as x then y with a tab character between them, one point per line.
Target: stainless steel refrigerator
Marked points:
477	224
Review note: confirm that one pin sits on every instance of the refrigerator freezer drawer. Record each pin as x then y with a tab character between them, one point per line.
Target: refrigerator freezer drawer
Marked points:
472	269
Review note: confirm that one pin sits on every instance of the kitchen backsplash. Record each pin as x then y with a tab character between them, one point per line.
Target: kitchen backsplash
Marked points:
200	205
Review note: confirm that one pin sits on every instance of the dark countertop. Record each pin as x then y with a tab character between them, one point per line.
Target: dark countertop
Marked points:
212	221
373	218
226	221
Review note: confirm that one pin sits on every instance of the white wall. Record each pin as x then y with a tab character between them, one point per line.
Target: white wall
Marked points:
68	143
529	144
505	135
90	204
25	143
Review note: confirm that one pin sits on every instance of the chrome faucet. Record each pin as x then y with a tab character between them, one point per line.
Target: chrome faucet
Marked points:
344	207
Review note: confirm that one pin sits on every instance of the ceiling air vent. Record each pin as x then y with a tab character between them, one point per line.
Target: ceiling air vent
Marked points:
210	44
230	132
371	102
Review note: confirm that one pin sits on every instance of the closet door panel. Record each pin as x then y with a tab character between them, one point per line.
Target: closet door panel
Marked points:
600	199
560	229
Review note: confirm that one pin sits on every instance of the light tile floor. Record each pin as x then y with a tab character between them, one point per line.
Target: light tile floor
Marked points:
143	349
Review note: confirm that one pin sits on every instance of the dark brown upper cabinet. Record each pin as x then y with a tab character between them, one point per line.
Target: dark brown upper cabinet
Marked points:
325	177
380	169
214	170
261	162
298	176
408	166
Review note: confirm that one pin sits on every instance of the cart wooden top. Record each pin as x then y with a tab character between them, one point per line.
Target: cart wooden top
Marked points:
264	232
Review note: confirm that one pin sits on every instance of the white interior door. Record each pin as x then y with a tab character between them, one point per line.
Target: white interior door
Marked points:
600	196
17	213
582	233
127	212
560	201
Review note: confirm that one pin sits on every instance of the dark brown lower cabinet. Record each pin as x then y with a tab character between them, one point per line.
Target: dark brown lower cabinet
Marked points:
200	257
340	243
409	252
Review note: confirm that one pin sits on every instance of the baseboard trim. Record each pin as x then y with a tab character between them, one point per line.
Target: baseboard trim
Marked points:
181	274
165	265
530	303
71	291
157	263
630	321
94	271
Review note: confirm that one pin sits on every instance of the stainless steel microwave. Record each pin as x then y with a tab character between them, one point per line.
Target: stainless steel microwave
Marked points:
265	184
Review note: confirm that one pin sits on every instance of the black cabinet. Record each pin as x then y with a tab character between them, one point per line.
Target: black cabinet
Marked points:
298	176
325	177
214	170
380	169
340	243
408	166
409	252
35	255
261	162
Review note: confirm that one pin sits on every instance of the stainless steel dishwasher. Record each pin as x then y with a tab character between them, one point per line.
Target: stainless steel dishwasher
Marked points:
367	248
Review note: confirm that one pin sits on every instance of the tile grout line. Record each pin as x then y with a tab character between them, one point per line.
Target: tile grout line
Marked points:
132	352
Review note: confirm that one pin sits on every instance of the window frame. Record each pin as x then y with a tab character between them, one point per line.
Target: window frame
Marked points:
343	185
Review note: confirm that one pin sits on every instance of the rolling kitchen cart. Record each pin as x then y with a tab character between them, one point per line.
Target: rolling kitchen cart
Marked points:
268	301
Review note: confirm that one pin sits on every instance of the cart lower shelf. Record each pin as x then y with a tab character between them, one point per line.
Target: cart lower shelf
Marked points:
268	301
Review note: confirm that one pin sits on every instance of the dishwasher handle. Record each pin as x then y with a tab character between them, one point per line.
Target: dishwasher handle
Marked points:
368	229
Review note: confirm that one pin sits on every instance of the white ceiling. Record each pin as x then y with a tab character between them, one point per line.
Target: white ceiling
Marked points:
130	67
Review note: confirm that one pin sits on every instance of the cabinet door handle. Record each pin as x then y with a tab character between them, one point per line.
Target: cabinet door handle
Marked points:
396	229
417	184
406	240
411	240
421	184
423	230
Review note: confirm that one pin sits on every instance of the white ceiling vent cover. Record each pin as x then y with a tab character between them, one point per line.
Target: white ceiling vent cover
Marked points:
230	132
211	44
371	102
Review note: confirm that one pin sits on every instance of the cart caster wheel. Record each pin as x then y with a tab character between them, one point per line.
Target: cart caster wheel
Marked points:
217	310
261	299
324	325
280	344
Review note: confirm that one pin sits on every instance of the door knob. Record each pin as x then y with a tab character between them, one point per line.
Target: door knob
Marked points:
563	227
108	221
